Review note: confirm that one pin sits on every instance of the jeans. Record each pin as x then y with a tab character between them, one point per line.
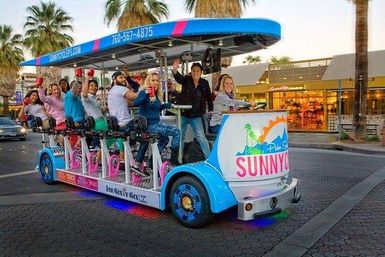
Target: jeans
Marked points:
214	129
197	128
130	126
164	130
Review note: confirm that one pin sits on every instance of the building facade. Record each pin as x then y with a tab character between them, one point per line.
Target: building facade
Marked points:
318	92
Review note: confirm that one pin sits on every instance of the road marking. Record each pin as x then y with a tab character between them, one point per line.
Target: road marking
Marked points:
17	174
49	198
306	236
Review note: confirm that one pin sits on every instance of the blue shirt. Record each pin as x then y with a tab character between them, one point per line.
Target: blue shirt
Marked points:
148	109
73	107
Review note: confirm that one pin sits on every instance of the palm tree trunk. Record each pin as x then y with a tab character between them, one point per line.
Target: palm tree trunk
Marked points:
361	73
50	74
5	106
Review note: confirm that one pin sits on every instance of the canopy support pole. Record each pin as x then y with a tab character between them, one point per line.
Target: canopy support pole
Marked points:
103	87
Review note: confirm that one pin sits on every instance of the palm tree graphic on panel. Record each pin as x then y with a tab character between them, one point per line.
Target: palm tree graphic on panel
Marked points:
251	139
267	142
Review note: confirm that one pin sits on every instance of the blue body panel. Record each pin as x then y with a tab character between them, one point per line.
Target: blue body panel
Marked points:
221	197
57	162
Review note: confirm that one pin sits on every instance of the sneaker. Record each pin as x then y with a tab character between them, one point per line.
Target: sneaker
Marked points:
99	155
135	167
121	156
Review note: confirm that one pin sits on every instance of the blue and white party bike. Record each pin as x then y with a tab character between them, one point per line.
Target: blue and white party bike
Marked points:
249	164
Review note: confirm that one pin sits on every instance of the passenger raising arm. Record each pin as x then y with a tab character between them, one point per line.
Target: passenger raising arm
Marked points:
92	107
55	103
195	92
118	98
150	105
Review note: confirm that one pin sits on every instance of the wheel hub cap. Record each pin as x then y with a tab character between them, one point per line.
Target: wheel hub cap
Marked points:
187	203
46	169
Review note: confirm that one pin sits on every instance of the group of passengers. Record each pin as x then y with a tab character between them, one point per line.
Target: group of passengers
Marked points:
78	100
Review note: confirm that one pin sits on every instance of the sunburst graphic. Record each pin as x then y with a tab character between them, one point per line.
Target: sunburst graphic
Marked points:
268	128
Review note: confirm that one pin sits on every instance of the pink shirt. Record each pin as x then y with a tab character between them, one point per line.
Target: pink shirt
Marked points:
56	106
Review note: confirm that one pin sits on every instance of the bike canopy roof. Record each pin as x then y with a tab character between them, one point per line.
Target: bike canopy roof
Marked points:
139	47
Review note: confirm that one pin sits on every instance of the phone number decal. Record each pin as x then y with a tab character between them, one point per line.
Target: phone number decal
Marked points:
134	34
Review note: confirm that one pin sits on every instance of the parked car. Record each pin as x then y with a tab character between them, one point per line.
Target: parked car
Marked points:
9	129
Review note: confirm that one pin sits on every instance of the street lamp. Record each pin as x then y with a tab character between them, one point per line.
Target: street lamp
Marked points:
22	86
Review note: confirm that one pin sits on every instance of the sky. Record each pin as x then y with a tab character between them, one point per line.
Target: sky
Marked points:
311	29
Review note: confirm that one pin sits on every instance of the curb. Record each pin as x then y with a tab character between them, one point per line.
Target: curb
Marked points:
336	146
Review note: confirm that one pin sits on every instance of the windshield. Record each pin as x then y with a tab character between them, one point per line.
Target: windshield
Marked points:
7	121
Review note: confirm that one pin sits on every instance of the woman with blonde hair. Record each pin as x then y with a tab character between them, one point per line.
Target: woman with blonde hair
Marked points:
225	101
55	103
150	103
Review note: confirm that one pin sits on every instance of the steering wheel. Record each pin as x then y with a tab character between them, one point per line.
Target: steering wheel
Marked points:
260	106
248	107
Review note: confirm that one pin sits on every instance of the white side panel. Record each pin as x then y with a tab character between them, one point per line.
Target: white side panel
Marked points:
133	194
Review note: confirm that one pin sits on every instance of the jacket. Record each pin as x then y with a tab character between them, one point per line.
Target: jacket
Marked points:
198	97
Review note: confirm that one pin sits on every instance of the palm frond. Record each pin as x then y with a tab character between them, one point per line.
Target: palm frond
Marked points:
113	10
190	4
158	9
45	28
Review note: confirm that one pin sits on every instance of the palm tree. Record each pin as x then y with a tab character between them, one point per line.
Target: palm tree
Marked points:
135	12
11	55
361	73
280	62
252	59
46	29
217	9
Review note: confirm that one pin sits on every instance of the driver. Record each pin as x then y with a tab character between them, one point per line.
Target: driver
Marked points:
224	101
195	92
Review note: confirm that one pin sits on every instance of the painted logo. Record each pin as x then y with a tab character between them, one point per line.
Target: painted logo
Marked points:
258	149
77	180
259	145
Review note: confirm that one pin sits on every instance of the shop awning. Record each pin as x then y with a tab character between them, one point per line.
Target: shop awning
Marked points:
246	75
343	66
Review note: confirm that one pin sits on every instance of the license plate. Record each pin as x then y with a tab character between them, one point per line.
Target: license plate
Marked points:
12	134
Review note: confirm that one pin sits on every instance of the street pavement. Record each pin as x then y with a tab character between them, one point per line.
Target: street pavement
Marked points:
60	220
332	142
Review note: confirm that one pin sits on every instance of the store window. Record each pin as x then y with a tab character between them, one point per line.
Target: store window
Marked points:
376	102
259	97
245	97
331	103
306	109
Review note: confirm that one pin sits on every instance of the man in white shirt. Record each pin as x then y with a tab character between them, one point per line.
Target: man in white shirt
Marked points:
118	98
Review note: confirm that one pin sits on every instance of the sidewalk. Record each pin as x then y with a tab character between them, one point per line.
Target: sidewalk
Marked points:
330	141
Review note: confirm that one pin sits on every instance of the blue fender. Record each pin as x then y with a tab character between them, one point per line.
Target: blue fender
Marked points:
57	161
221	197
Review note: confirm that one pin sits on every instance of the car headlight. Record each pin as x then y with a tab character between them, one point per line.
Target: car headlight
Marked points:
1	131
22	130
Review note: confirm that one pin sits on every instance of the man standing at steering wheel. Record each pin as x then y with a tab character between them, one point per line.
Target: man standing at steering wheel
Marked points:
195	92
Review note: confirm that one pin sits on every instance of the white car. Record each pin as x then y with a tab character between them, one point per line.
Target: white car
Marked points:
9	129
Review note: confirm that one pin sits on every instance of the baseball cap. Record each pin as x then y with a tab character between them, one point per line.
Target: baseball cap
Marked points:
117	74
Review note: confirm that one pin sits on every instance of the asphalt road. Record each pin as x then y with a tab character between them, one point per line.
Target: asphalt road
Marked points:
16	156
61	220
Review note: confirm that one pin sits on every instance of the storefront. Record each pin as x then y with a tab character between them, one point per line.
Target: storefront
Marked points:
317	109
305	107
309	91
